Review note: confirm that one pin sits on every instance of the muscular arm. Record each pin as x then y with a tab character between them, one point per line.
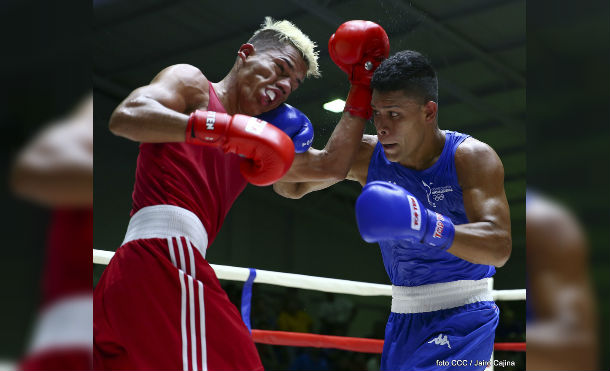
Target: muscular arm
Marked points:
486	238
158	112
56	168
357	172
298	190
334	161
562	335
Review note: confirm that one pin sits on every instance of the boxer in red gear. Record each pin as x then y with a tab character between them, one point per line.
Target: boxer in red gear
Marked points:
158	304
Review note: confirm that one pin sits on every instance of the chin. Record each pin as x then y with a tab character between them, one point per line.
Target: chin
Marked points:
391	157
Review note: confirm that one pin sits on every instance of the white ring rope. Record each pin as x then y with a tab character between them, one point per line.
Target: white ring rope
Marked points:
301	281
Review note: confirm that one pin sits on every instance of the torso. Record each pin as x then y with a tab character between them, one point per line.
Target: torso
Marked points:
203	180
437	187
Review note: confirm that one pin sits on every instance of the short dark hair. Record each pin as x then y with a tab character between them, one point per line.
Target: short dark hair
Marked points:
409	71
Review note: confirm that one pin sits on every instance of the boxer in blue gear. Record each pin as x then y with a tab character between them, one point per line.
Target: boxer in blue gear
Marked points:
292	122
434	200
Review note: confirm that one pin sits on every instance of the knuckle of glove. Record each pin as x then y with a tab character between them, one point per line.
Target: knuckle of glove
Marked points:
357	45
284	118
293	123
270	160
304	139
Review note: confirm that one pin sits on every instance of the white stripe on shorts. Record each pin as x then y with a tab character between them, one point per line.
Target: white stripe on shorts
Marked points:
170	244
191	291
204	356
192	324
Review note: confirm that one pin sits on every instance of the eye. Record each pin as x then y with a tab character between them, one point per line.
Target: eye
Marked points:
280	66
393	114
376	113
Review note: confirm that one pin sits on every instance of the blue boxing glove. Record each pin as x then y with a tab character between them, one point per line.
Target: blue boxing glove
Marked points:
292	122
385	211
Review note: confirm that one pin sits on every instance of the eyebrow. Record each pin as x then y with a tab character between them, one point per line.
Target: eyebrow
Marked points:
391	106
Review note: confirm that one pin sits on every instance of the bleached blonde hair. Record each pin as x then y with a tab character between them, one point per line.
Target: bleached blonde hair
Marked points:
285	31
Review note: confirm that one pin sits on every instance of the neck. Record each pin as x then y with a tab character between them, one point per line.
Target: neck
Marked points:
227	93
428	152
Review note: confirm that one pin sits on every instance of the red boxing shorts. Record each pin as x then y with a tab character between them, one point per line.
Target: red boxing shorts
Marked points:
159	305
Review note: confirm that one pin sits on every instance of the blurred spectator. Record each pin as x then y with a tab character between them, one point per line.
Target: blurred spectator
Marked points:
269	356
310	359
264	311
377	332
292	317
512	326
562	320
335	314
56	170
349	361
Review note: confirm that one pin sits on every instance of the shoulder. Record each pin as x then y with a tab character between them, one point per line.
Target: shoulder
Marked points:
182	74
186	81
476	161
368	144
360	166
473	150
366	149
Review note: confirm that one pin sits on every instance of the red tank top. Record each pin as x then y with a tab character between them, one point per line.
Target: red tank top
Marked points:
201	179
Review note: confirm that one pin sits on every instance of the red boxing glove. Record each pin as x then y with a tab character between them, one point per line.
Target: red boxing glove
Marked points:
267	150
358	47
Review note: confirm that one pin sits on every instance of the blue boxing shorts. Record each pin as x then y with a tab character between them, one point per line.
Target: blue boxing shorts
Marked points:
442	326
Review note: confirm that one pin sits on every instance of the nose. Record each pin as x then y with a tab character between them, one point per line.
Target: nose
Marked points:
284	86
381	127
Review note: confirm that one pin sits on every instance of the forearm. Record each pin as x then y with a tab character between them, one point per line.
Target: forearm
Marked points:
481	243
143	119
334	161
298	190
343	144
64	187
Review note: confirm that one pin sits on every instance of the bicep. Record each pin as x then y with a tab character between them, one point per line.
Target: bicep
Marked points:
178	88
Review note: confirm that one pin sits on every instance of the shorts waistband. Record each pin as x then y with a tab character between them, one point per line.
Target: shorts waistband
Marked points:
165	221
439	296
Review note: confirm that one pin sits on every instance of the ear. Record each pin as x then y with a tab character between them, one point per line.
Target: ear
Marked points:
245	51
430	109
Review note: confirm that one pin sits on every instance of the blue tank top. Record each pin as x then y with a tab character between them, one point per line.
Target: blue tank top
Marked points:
414	264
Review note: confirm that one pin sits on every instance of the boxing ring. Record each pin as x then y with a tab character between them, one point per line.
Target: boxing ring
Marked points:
332	285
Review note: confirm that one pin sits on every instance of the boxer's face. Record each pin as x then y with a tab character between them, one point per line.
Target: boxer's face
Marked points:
402	123
268	77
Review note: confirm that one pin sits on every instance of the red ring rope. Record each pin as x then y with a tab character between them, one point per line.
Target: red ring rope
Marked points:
361	345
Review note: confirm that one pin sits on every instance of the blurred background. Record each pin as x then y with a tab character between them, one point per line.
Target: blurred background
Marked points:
568	127
45	73
479	50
